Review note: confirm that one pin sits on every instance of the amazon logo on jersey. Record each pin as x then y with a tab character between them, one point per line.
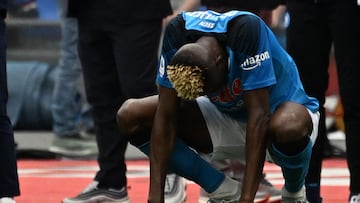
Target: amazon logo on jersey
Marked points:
255	61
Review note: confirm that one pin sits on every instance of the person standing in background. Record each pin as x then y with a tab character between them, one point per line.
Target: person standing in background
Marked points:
72	120
9	180
118	50
315	26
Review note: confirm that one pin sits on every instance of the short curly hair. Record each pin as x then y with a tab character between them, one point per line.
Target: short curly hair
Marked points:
187	70
188	81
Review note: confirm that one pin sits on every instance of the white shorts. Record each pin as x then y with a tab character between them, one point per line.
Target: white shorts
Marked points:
228	135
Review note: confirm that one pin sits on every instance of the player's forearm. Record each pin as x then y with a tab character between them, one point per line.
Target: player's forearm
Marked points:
258	108
255	156
156	194
161	145
157	174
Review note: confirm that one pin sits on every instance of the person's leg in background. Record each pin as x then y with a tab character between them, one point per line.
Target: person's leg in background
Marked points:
9	181
116	67
136	63
346	17
309	42
70	123
105	97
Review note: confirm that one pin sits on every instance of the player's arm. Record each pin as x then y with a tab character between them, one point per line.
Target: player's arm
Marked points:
258	107
162	142
248	37
164	126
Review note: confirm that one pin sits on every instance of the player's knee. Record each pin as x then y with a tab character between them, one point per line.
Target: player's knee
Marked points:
284	131
126	118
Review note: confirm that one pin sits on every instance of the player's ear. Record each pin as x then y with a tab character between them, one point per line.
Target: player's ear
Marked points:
221	60
218	59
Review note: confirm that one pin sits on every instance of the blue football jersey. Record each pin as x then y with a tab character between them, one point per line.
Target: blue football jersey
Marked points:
256	59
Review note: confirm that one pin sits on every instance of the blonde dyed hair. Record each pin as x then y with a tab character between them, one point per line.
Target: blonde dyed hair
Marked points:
188	81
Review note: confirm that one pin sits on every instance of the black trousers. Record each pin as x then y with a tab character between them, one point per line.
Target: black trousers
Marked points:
118	62
9	182
314	28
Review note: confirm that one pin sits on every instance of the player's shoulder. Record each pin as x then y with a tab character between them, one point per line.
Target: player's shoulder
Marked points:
177	21
244	33
246	20
244	26
175	28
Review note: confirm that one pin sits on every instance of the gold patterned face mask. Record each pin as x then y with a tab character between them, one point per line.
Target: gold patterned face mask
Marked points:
188	81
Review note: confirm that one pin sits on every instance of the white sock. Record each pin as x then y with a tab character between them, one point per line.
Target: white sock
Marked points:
228	189
299	195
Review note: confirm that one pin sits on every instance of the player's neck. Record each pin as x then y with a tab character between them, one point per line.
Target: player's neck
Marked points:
207	42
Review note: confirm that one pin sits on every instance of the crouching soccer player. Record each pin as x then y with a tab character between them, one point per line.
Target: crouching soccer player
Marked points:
226	87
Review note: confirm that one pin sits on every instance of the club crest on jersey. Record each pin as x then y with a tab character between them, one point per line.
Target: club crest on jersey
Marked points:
255	61
229	94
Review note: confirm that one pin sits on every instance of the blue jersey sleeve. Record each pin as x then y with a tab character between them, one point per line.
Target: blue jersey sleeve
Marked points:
174	38
248	38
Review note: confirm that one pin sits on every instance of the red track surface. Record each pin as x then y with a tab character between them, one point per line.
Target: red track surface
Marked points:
49	181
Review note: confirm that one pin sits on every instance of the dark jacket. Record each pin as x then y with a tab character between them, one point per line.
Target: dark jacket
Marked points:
118	11
251	5
3	8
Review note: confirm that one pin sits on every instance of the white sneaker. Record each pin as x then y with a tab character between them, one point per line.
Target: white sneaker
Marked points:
94	194
174	191
293	197
90	187
355	199
7	200
265	189
204	196
229	191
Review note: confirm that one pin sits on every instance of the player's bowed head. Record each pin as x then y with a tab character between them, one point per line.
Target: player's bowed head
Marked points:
198	68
